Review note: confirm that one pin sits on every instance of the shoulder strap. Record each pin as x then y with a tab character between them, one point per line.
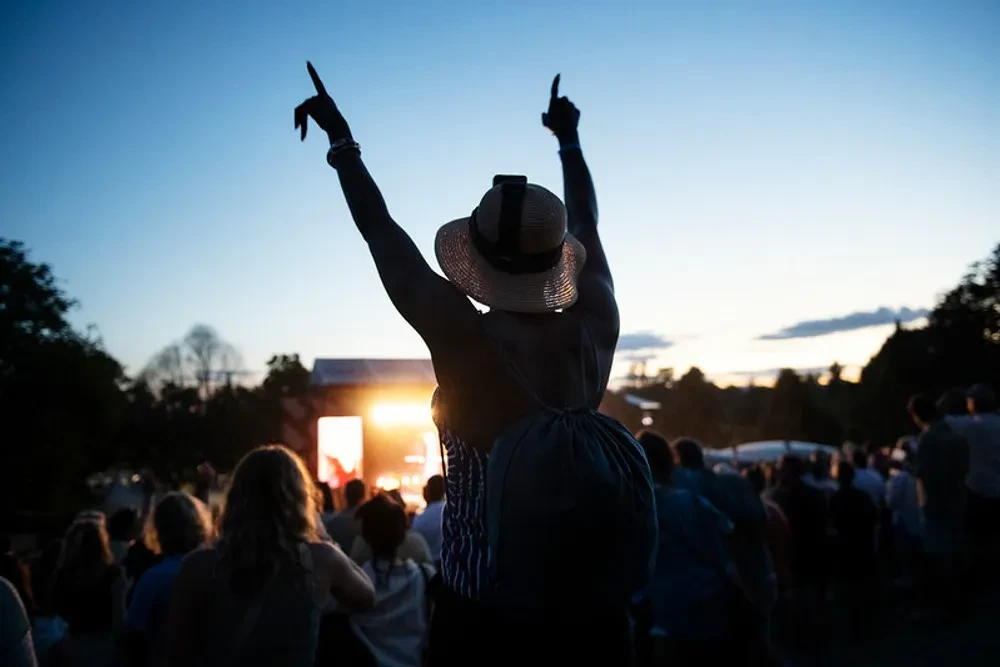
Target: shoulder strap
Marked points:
515	372
587	347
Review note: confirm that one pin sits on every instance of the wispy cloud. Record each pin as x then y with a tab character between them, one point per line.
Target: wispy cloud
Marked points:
643	341
774	372
850	322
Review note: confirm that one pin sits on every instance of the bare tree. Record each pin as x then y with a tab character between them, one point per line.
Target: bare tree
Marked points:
201	358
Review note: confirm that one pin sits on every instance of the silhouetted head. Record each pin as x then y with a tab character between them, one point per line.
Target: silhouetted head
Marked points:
845	475
790	470
514	252
86	552
327	495
689	454
181	523
658	454
383	527
981	400
820	464
952	402
859	459
434	489
122	524
757	477
354	493
270	509
397	496
923	411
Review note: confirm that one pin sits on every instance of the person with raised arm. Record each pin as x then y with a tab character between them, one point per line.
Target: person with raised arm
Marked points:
533	470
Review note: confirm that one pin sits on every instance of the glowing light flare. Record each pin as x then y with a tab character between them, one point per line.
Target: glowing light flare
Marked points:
433	465
340	450
401	414
387	482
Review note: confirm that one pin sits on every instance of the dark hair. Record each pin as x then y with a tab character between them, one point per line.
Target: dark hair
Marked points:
792	468
820	464
845	474
434	489
689	453
923	408
181	523
952	402
397	495
354	492
757	477
658	453
122	524
983	399
859	457
383	527
327	494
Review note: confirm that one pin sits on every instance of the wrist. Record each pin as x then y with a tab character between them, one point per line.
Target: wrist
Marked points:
342	152
569	138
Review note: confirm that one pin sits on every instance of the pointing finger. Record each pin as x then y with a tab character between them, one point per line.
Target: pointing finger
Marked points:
320	88
555	86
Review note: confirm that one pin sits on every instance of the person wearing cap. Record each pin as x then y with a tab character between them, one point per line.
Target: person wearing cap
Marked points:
539	267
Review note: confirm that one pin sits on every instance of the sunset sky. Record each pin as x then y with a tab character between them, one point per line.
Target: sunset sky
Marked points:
778	181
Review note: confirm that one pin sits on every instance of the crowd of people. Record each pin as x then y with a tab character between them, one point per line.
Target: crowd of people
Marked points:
752	565
554	535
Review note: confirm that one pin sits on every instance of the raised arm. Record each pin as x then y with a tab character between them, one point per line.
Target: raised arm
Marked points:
595	284
428	302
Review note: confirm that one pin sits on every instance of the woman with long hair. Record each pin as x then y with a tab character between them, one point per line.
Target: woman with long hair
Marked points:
533	470
89	594
180	523
256	597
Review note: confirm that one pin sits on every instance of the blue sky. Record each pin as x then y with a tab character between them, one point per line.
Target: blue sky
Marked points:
758	164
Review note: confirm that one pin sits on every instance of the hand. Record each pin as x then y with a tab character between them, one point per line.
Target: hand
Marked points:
563	116
323	110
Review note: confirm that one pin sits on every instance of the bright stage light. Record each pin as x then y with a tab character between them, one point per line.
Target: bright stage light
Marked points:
387	483
401	414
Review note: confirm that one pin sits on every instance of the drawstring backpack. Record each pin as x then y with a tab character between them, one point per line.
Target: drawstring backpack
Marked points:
571	516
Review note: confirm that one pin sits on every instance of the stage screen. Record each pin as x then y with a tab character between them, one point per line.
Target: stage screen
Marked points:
339	443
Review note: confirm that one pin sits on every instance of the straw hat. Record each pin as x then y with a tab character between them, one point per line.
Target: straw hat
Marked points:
513	253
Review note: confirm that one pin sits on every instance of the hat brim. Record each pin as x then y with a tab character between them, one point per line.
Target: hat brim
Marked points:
542	292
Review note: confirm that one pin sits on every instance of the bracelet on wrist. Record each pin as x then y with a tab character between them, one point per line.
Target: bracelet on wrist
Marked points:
571	146
338	148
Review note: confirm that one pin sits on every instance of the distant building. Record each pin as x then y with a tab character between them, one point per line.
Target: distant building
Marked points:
370	419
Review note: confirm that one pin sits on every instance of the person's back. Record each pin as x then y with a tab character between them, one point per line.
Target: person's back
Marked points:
942	465
256	597
286	617
806	510
688	584
341	526
868	479
853	515
532	371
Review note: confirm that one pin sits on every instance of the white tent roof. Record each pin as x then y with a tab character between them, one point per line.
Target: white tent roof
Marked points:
341	372
769	450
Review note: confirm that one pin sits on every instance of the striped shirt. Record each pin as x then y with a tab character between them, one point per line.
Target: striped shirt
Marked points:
464	546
